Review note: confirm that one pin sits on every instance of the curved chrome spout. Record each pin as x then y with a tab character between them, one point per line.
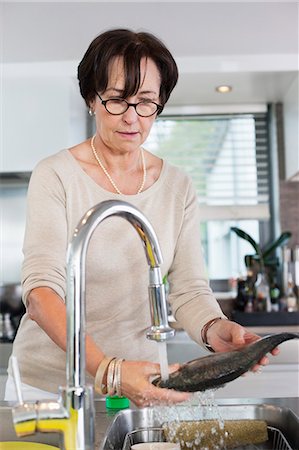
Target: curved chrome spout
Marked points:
73	413
77	250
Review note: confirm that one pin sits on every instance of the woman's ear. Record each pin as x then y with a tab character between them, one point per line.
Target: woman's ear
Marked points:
91	108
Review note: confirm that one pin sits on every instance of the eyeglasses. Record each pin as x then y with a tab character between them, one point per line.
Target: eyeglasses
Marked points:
117	106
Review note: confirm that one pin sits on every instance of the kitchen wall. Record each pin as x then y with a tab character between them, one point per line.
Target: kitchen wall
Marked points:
13	205
289	209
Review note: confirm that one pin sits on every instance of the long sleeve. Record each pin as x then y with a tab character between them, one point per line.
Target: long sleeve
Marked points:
192	301
116	295
45	240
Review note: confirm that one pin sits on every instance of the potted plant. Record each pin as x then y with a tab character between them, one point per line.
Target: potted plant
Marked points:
264	259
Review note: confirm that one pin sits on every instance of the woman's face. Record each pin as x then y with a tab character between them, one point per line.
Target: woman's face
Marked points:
128	131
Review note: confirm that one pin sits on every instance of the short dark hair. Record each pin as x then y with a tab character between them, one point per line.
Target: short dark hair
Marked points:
93	70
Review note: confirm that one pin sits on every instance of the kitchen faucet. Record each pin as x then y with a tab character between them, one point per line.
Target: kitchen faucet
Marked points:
73	412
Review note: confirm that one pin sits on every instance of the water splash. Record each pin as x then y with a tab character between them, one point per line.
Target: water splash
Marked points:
201	406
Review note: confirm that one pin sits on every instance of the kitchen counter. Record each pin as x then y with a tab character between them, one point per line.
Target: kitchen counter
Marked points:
104	417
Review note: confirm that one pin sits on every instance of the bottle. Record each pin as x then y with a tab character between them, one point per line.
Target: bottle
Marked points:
249	293
249	307
286	259
262	293
275	296
275	293
291	300
240	300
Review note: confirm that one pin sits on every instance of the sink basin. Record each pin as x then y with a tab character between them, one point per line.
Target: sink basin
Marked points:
7	431
127	422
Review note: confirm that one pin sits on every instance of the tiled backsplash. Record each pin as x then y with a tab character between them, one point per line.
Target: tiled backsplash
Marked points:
289	209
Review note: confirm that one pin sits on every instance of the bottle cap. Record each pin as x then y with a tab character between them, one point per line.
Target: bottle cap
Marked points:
116	402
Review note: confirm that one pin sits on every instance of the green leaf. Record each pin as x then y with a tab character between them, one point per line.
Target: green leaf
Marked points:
242	234
281	240
272	262
248	260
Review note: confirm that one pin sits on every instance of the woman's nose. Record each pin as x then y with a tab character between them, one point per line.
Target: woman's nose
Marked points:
130	116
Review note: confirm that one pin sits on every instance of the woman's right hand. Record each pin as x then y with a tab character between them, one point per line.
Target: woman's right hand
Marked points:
136	384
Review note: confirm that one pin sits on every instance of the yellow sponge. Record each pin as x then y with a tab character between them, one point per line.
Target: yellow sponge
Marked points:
21	445
210	434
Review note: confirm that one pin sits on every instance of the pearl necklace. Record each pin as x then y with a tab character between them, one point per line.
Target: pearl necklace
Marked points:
108	174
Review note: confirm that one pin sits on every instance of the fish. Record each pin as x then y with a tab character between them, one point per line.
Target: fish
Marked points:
214	371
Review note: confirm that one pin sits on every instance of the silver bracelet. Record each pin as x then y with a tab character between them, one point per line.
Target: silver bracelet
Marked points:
110	378
118	376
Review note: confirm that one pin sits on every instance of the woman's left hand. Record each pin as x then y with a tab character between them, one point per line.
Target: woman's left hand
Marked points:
225	335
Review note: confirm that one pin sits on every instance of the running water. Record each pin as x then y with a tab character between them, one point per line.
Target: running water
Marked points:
163	360
201	407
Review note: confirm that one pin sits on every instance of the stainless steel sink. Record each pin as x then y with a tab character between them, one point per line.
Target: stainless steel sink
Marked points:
7	431
128	421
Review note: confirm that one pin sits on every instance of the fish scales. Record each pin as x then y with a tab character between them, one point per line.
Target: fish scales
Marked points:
215	370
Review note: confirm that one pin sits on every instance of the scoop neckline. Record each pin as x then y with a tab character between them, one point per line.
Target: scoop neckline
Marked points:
142	194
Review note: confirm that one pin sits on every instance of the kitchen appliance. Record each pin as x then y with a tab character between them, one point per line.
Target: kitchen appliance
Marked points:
11	311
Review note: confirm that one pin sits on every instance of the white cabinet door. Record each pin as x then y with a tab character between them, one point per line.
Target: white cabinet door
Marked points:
41	115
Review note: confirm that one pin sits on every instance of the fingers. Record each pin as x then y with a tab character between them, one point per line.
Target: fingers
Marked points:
154	370
263	362
275	351
151	369
238	336
251	337
173	367
157	396
142	392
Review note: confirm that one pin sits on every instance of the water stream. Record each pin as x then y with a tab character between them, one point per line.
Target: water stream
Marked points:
202	407
163	359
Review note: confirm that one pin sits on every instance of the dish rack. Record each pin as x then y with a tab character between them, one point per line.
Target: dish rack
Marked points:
276	440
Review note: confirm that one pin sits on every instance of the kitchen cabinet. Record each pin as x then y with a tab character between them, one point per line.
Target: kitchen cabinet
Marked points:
3	378
291	130
5	352
41	115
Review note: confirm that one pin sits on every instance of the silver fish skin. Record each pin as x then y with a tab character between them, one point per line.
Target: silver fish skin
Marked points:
215	370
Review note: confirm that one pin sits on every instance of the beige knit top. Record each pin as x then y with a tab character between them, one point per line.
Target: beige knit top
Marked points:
117	306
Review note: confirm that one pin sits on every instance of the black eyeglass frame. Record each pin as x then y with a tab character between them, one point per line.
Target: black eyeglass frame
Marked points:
158	110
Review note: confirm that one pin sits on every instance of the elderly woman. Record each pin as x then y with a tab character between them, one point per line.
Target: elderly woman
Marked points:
125	79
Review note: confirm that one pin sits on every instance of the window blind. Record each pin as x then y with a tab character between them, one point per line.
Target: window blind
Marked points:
226	156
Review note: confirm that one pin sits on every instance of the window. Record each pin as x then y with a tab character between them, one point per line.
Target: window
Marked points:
227	158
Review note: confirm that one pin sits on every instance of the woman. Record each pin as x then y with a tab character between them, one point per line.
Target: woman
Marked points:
125	79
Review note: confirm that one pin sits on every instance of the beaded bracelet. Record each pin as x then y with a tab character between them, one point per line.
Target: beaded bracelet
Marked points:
99	386
204	333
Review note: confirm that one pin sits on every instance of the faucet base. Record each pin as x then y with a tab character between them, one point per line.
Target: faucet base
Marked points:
160	334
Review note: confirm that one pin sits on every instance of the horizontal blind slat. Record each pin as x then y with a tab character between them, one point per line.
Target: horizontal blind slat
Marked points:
226	156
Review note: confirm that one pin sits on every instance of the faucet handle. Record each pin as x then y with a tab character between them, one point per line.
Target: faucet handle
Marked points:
24	414
25	419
